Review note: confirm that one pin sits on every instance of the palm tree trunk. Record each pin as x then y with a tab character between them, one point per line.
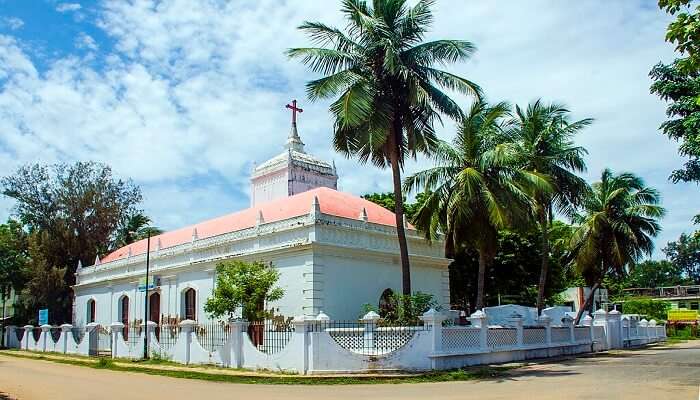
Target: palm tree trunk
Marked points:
400	230
587	303
544	224
481	278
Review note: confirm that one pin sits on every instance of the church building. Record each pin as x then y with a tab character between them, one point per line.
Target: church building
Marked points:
335	252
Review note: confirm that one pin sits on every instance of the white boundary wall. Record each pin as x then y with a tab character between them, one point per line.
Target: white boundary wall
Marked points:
314	351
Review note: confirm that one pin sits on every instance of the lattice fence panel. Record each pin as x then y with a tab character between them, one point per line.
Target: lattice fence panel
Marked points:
582	333
349	338
534	336
388	339
502	337
460	338
560	335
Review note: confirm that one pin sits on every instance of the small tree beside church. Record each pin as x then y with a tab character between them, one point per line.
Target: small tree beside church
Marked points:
243	285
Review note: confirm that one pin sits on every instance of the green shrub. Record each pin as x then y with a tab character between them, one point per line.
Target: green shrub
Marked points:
646	307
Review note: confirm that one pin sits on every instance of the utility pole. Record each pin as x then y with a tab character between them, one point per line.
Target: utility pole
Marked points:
145	307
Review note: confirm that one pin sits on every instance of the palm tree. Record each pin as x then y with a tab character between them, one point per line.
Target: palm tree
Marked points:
544	137
388	92
620	220
135	227
476	188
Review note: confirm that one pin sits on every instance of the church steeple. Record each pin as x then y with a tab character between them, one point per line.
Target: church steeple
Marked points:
293	140
291	172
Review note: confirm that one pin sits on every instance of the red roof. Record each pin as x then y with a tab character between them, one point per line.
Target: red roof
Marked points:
332	202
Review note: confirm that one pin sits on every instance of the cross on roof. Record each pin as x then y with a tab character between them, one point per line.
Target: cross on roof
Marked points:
294	109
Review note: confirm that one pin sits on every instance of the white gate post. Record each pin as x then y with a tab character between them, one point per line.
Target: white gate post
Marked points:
10	336
65	331
27	333
434	319
91	335
568	322
370	320
546	321
480	320
301	328
516	320
600	318
186	328
44	333
238	329
117	329
644	328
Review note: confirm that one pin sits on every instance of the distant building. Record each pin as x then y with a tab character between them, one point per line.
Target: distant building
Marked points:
575	297
687	297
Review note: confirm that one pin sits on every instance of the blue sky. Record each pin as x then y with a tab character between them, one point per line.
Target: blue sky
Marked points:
183	95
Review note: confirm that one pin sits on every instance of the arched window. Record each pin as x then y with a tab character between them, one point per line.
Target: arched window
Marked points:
91	311
124	310
190	304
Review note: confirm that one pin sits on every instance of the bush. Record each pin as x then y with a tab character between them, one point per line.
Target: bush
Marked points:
405	310
646	307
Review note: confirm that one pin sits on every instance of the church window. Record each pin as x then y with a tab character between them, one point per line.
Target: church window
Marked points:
91	311
190	304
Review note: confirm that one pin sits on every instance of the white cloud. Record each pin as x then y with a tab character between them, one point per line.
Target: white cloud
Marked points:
85	41
12	23
196	89
68	7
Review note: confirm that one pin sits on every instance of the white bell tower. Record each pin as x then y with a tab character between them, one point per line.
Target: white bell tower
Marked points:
291	172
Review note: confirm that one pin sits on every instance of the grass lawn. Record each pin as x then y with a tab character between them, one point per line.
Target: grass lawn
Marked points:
218	374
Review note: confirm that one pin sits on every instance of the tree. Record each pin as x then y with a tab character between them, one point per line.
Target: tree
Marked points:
653	273
620	219
544	136
13	256
512	277
681	90
72	213
685	253
243	285
476	189
135	227
647	307
388	91
387	200
684	32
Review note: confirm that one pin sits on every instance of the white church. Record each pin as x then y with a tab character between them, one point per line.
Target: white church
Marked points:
335	252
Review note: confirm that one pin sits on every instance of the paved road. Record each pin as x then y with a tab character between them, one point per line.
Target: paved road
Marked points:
658	373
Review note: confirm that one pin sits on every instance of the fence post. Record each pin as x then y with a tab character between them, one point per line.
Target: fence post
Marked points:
44	333
91	335
546	321
516	320
588	321
301	327
186	328
480	320
568	322
370	320
117	329
600	318
434	319
27	334
10	336
239	328
654	332
645	331
65	331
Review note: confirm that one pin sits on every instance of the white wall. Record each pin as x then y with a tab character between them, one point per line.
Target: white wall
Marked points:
352	279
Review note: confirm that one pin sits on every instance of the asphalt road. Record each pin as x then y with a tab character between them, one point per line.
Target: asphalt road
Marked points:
671	372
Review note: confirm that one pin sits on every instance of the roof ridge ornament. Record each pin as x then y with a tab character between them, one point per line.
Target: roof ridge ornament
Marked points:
363	214
195	236
259	219
315	208
97	259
